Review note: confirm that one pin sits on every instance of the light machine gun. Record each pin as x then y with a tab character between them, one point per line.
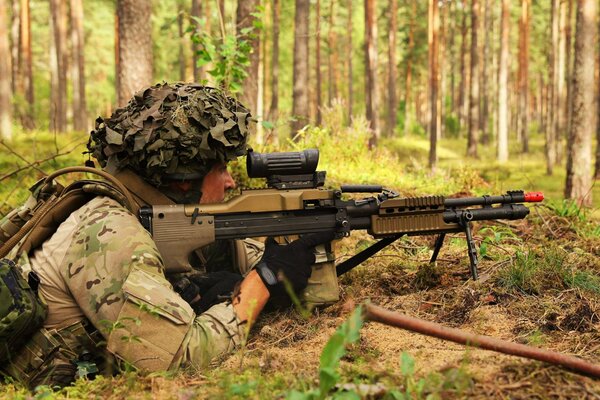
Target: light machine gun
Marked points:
295	204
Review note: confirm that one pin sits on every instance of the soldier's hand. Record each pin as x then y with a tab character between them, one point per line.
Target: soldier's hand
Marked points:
292	262
202	291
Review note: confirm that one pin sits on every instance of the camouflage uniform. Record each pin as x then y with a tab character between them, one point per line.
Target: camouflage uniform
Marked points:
101	274
101	269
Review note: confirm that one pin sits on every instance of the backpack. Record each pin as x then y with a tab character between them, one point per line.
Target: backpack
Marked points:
25	228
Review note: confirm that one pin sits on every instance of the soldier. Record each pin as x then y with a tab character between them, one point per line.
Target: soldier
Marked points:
109	297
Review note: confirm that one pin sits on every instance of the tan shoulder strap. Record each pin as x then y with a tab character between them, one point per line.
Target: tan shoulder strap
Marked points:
145	193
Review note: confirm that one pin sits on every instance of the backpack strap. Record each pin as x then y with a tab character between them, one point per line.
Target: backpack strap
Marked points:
54	210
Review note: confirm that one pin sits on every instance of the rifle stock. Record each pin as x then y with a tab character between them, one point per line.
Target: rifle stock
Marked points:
300	207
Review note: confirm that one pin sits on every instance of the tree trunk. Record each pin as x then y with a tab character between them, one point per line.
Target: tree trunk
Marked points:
474	92
503	83
523	74
58	107
561	100
274	109
5	74
551	132
196	12
434	31
14	45
485	77
181	58
409	51
245	20
579	162
300	107
331	58
463	98
25	66
78	73
441	62
372	95
392	100
569	64
597	168
350	51
318	60
451	21
135	47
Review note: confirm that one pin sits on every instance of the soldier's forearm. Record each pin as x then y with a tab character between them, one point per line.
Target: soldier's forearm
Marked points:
251	299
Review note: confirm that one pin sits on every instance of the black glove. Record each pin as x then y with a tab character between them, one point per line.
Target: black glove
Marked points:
294	261
202	291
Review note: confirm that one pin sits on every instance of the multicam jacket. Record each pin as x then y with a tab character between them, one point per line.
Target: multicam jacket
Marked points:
103	280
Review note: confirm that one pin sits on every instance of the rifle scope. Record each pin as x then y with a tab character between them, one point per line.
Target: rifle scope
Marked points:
263	165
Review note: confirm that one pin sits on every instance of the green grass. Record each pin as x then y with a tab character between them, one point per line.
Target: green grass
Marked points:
533	273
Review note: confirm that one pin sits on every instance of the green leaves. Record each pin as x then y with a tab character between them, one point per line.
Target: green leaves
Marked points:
227	55
334	350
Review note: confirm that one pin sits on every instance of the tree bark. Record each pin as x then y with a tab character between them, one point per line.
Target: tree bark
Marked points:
551	133
196	11
274	109
523	74
569	63
80	122
408	79
25	66
434	31
485	76
579	162
14	45
372	95
463	98
5	74
181	56
58	108
503	83
350	51
134	47
318	60
331	57
300	106
597	167
245	20
561	100
474	92
392	103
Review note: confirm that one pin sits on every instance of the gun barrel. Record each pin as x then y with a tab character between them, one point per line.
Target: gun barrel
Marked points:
506	211
517	196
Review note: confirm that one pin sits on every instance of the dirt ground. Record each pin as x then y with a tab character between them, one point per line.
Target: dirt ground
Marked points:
565	320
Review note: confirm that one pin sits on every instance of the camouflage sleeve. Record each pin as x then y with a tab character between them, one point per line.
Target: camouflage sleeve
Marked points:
214	333
115	273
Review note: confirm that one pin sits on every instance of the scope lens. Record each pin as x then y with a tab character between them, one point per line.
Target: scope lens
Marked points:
262	165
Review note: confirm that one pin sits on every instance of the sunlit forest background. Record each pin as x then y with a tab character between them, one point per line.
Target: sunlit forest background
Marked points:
504	87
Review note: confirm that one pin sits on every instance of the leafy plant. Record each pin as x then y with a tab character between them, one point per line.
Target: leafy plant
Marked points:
494	235
334	350
228	55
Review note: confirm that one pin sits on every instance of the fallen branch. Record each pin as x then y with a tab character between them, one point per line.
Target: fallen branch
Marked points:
12	151
36	163
379	314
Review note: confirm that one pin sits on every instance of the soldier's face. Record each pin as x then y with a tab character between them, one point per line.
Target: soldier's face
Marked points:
216	183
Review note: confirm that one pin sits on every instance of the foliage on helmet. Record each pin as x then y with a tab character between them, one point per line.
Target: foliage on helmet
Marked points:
167	129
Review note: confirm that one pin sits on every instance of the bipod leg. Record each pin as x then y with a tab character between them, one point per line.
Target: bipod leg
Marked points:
471	248
438	245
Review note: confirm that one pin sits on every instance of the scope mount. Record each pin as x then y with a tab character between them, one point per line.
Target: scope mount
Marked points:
300	181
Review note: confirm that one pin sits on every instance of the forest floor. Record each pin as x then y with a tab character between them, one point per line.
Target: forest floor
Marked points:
539	284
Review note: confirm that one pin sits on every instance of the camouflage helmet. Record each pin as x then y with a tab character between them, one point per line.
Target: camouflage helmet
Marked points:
172	131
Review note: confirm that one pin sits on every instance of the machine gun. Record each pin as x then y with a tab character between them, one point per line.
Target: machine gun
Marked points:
295	203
